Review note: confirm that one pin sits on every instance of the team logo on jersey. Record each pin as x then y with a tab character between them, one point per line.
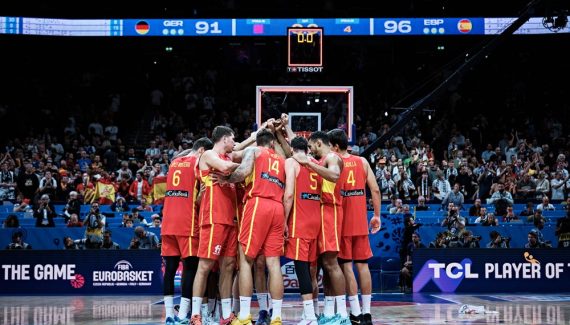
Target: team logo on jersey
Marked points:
272	179
310	196
357	192
176	193
217	249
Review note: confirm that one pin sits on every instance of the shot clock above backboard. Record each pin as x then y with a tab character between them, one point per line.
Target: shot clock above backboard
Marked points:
305	49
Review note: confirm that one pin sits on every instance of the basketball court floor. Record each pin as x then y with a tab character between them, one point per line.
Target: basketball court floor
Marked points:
387	309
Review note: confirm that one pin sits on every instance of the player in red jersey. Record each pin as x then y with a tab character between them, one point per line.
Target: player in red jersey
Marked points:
179	231
302	203
355	244
330	168
218	233
262	225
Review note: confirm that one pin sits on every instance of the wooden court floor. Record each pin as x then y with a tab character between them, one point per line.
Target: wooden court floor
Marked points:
386	309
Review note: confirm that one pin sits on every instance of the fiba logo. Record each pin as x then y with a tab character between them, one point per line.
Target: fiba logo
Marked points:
123	265
217	249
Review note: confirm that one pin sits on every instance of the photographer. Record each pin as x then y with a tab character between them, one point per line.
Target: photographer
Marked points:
497	241
18	242
467	240
439	241
45	212
95	223
534	242
144	239
454	222
563	231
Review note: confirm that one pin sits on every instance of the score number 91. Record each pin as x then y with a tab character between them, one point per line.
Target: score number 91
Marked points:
204	27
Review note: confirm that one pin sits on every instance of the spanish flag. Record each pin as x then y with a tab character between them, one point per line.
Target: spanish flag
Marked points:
158	189
105	193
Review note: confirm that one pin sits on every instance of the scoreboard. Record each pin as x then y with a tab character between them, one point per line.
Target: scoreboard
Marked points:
305	49
266	26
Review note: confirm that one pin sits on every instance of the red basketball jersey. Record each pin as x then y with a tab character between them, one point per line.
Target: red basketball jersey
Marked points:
305	218
180	215
219	202
355	222
330	193
268	177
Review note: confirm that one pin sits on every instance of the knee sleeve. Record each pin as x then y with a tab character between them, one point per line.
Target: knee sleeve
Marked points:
171	265
188	275
303	270
342	261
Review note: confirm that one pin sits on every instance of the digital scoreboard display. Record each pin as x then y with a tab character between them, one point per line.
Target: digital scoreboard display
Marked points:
305	49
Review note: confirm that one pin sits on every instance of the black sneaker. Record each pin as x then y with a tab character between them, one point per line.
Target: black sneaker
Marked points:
366	319
356	320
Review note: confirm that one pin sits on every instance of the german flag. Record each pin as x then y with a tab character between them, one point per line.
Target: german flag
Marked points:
142	27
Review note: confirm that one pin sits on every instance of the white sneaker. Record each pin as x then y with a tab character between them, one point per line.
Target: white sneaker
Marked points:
209	320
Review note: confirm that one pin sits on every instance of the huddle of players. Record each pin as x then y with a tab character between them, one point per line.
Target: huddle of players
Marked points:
316	208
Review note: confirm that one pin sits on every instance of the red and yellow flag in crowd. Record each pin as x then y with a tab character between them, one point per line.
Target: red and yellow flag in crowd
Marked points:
105	193
158	189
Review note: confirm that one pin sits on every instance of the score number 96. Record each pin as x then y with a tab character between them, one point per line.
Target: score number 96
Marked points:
393	26
204	27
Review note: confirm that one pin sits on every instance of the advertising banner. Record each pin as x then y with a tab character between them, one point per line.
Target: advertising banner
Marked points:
491	270
81	272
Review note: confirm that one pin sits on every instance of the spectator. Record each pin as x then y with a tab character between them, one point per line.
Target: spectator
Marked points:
422	204
558	186
144	239
95	225
74	221
490	220
398	208
498	241
28	182
528	211
45	212
156	221
73	206
440	187
510	216
454	222
18	242
7	182
455	197
423	186
11	222
139	189
501	199
542	185
537	215
120	205
22	204
475	209
545	205
563	231
538	226
108	242
144	206
136	217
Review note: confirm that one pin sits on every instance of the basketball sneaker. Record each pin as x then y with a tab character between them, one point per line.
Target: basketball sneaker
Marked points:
366	319
234	320
356	320
263	318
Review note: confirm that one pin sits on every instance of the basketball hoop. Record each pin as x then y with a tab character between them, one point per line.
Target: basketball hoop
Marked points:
304	134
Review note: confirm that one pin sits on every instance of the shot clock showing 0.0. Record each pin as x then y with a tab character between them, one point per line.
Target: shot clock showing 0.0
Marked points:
305	49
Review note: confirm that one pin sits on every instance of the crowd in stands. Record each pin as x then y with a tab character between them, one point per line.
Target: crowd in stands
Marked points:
485	151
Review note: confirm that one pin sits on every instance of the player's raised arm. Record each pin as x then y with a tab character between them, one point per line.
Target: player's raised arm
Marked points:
246	166
212	160
291	172
330	171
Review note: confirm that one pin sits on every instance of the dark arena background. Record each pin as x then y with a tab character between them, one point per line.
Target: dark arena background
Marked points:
461	109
